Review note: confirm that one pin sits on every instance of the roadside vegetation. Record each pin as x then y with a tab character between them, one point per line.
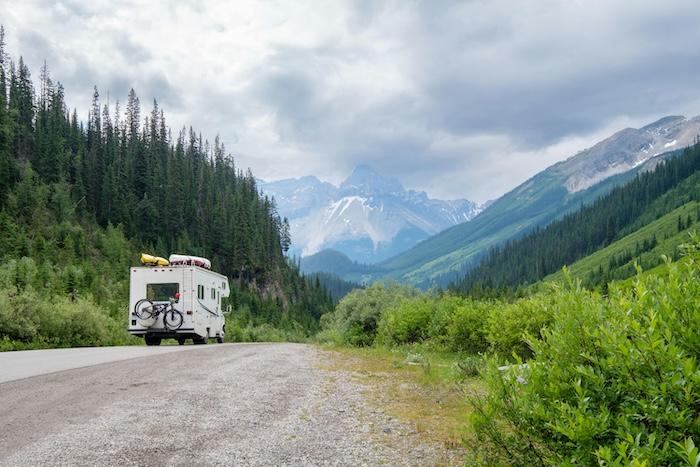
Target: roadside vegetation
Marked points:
80	198
566	375
422	389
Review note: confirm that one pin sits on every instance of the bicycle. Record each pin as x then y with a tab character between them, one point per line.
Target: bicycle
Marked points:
146	310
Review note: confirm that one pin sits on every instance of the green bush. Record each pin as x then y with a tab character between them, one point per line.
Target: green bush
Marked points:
356	318
509	324
466	329
406	322
468	367
612	381
444	322
31	320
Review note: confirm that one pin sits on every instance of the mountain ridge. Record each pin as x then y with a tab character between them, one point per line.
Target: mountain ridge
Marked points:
541	199
369	217
627	210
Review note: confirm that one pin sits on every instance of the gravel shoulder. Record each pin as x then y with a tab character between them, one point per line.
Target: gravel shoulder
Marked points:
249	404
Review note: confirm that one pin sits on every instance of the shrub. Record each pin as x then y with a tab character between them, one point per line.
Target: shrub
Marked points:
612	381
466	331
29	319
509	324
444	322
406	322
356	317
468	367
15	324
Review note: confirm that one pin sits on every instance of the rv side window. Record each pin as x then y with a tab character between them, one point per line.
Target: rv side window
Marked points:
161	292
213	293
200	292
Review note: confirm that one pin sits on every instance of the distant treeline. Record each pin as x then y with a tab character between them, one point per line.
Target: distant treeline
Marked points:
336	287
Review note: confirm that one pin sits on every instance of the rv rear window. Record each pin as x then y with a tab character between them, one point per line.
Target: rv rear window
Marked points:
162	292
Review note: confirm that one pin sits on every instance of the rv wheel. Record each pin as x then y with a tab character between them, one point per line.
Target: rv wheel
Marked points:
150	340
220	338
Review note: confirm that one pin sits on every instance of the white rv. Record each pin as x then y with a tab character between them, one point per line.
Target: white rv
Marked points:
179	298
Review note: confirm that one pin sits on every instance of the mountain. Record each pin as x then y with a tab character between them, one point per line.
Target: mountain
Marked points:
552	193
645	247
340	264
651	212
369	217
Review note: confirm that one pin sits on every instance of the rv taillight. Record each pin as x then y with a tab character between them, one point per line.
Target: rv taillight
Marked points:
188	312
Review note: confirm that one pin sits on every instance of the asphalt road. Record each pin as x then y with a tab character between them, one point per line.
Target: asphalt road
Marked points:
27	363
234	404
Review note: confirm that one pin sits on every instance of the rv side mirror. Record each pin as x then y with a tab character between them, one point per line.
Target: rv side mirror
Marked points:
228	310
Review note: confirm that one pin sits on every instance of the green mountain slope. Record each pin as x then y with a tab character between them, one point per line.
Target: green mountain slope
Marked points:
624	211
644	247
340	264
549	195
537	202
336	287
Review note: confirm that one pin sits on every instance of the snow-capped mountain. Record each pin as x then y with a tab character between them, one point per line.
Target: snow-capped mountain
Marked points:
626	150
368	217
560	189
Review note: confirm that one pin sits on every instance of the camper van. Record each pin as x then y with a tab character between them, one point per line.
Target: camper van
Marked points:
178	298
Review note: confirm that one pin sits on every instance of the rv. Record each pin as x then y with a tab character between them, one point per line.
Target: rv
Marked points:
179	298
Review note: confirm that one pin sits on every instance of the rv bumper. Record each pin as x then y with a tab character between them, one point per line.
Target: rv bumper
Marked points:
161	332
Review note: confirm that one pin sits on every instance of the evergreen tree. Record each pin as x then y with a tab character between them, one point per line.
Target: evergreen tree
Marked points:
131	186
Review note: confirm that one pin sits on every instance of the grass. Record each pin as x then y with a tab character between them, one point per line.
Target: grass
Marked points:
421	389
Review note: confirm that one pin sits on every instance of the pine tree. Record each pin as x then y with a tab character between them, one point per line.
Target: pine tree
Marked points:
7	165
115	184
21	108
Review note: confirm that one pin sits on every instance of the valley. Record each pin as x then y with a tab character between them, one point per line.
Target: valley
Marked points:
561	189
429	233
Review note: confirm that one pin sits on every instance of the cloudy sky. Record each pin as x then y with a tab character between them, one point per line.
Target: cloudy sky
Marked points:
461	99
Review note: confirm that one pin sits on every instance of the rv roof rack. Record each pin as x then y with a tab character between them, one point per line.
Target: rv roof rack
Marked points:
189	260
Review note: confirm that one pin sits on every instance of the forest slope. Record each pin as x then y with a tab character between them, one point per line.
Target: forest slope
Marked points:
79	200
624	210
549	195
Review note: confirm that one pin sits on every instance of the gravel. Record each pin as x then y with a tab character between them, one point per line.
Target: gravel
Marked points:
240	404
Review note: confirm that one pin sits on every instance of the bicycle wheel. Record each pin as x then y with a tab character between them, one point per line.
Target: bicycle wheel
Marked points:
172	319
144	309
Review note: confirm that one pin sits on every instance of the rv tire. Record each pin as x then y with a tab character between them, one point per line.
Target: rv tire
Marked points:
200	340
150	340
181	341
220	338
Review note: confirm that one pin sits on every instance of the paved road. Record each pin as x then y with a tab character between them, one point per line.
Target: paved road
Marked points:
26	363
237	404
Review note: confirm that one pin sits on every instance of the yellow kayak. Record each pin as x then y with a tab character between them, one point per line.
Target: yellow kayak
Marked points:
150	260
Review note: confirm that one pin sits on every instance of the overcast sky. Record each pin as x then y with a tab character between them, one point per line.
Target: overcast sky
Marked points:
461	99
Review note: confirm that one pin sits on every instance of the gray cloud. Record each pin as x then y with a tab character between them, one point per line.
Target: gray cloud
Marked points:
132	52
464	99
